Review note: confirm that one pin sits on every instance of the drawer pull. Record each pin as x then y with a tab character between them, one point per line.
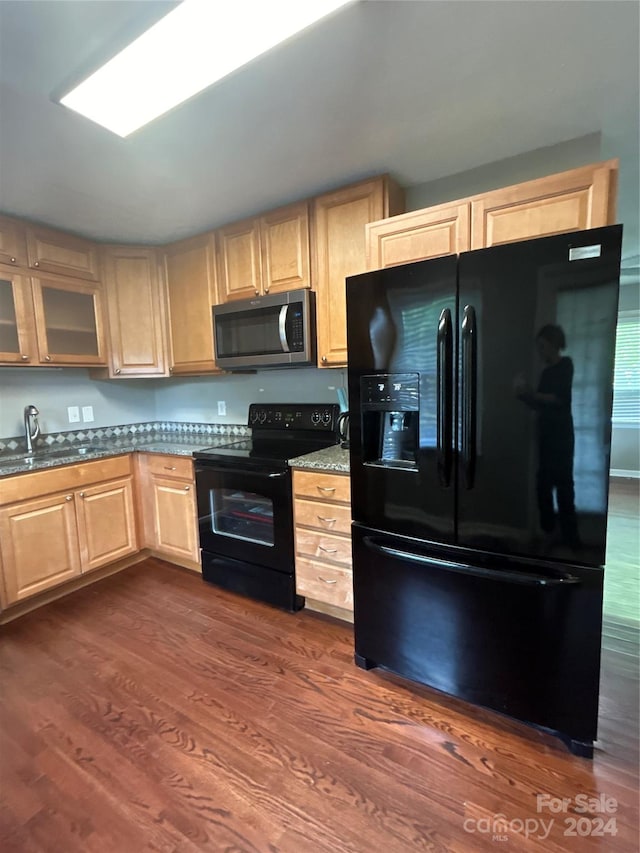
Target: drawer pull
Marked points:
326	488
324	580
169	467
69	498
326	520
186	488
327	550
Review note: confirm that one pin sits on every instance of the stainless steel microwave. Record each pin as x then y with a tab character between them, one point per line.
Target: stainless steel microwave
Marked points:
277	330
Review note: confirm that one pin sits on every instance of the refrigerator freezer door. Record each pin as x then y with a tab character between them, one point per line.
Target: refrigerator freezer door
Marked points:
518	637
536	352
401	328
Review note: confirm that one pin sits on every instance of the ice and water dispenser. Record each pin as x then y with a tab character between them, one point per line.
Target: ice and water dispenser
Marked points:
390	419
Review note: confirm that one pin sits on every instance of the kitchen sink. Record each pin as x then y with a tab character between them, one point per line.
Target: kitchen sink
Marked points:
48	453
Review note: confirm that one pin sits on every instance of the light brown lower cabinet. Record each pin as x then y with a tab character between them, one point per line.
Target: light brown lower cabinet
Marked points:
168	504
59	524
322	512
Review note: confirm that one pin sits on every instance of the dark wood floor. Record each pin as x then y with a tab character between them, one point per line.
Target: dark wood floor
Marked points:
154	712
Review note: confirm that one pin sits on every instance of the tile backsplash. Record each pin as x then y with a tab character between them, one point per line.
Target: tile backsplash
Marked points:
14	443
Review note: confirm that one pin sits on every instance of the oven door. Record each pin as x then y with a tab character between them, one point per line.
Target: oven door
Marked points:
246	514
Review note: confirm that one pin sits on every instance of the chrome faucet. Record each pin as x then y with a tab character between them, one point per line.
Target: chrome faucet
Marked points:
31	431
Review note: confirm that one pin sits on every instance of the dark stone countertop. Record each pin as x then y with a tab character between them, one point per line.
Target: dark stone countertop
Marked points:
173	444
331	459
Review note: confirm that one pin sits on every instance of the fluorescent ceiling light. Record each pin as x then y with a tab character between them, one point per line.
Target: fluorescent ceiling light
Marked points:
196	44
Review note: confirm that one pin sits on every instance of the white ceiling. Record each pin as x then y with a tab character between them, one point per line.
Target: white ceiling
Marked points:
420	89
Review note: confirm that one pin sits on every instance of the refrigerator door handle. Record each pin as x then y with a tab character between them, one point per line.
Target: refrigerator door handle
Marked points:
526	578
469	393
445	396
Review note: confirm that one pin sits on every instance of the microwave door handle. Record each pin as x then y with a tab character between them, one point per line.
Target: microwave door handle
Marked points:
282	328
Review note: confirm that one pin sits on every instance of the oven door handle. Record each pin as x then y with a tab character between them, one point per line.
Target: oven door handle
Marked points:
273	475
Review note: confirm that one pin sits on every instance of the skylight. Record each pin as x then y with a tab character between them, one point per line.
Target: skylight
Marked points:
196	44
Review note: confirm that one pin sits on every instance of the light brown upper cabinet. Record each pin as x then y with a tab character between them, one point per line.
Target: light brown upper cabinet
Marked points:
339	220
133	280
69	321
50	321
191	293
266	254
17	322
52	251
13	242
284	246
418	235
569	201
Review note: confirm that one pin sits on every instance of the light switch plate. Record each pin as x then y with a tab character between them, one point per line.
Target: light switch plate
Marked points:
222	407
74	414
87	414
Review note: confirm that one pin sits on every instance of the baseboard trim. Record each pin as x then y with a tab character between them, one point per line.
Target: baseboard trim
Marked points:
20	608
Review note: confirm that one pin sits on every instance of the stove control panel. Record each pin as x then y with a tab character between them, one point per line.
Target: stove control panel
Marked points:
321	417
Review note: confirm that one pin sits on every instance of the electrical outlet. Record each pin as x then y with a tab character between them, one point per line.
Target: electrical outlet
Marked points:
222	407
87	414
74	414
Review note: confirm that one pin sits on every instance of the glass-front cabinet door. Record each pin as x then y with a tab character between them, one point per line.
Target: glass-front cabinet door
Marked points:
69	322
17	331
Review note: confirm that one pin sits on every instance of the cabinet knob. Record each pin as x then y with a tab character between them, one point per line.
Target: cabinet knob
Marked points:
257	292
186	488
324	359
36	263
171	370
81	494
117	371
25	357
47	358
69	498
266	290
13	260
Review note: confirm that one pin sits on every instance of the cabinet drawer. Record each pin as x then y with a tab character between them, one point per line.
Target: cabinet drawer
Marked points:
329	518
47	482
322	486
180	467
323	546
328	584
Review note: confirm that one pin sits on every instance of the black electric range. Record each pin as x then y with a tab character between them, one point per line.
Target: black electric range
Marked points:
245	502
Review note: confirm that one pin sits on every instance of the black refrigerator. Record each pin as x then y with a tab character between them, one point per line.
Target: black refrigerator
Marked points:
480	394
